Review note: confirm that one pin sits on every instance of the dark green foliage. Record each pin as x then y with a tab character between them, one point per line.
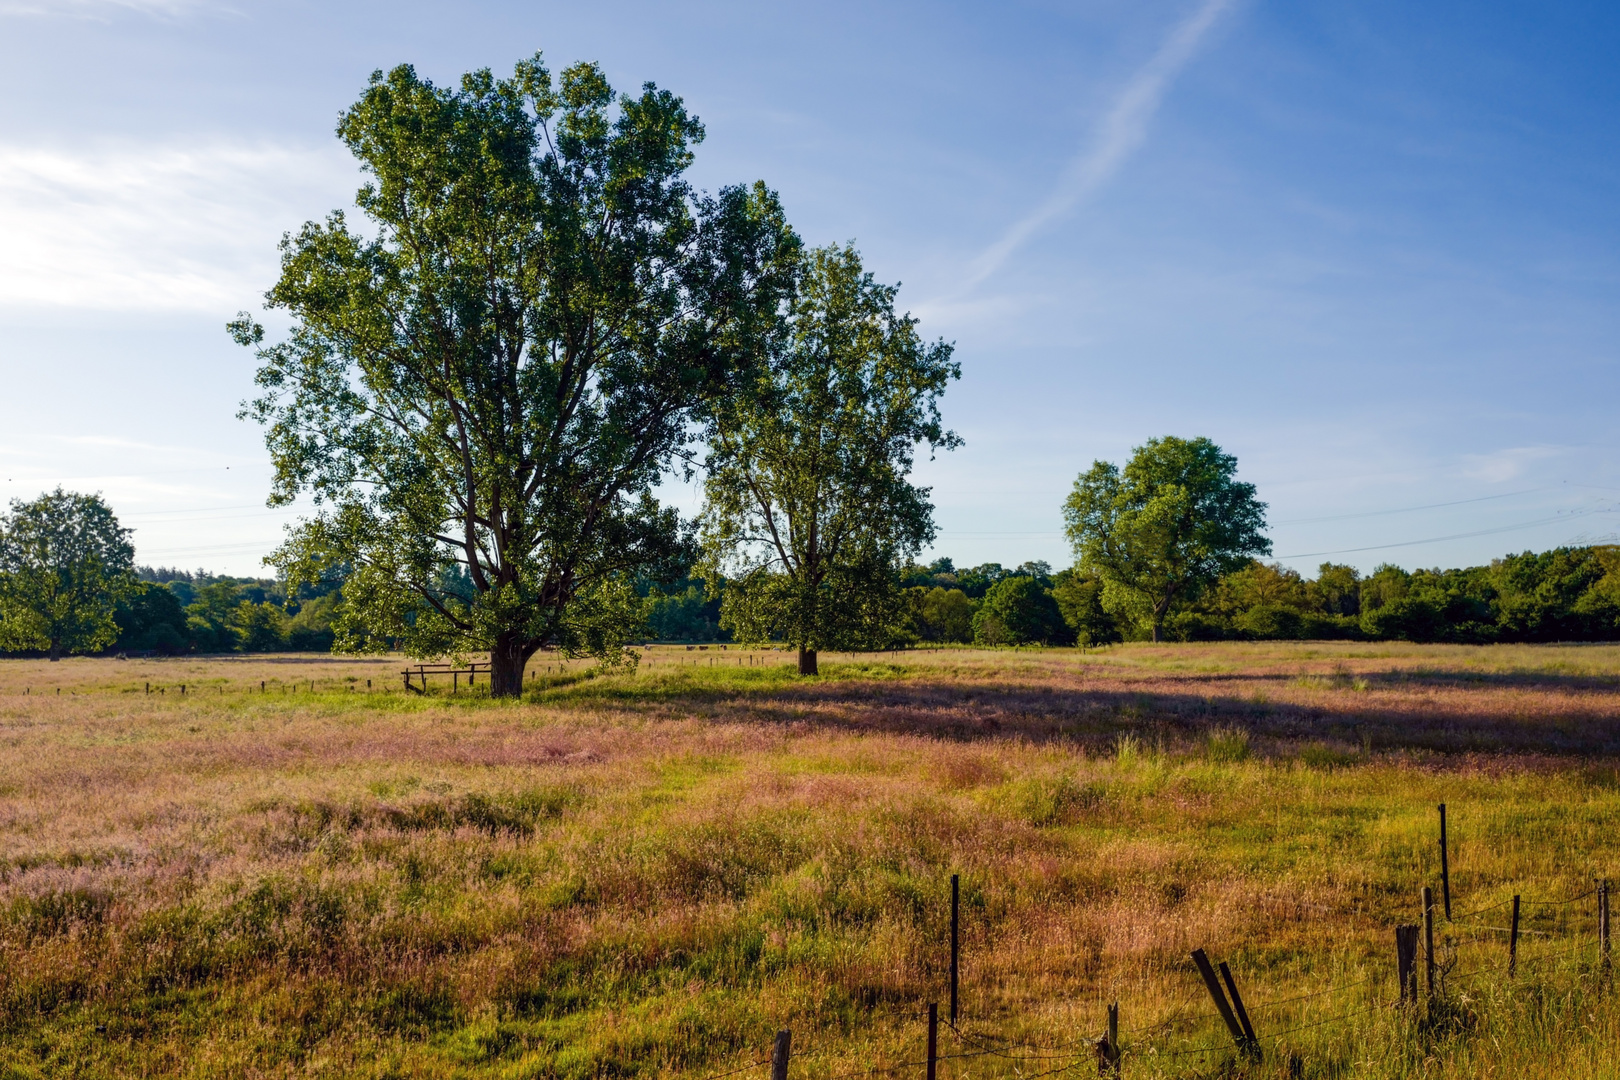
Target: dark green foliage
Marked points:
685	611
1567	594
810	512
1165	528
483	386
940	615
1079	599
1019	610
65	563
151	619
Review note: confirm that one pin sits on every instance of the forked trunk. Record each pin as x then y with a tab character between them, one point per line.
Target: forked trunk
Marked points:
507	661
807	662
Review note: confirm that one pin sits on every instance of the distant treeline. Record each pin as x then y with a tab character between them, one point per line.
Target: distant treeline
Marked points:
171	612
1567	594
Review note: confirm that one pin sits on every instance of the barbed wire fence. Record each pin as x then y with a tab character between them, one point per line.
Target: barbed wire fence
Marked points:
1111	1052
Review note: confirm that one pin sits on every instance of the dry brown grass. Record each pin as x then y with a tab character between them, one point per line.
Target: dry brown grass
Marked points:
651	873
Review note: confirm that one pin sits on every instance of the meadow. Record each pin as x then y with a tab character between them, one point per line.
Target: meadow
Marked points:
285	871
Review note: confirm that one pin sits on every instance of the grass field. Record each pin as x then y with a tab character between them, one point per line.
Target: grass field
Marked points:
649	874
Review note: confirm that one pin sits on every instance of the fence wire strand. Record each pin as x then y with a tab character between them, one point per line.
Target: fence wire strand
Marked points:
1147	1042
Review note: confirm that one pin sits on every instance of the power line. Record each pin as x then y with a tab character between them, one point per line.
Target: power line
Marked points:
1409	509
1458	536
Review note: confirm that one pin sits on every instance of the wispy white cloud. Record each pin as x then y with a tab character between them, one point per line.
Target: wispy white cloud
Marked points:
102	9
138	227
1122	130
1500	466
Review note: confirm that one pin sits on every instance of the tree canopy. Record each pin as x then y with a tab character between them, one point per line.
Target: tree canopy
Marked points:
1166	527
482	387
65	563
810	512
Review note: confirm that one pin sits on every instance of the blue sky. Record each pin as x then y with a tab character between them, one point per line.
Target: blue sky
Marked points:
1370	248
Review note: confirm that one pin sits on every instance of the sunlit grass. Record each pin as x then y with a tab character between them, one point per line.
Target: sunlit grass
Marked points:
650	872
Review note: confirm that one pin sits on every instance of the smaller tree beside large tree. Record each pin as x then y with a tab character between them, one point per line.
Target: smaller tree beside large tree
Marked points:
810	514
1165	528
65	562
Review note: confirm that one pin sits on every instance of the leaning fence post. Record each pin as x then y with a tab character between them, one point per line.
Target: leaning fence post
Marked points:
933	1038
1603	924
956	952
1428	938
779	1054
1218	996
1242	1013
1406	939
1445	869
1513	940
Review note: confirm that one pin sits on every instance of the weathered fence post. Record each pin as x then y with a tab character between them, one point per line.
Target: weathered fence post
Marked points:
1445	869
956	927
1107	1047
1406	942
1428	939
1218	996
1513	939
1603	924
779	1054
933	1038
1242	1013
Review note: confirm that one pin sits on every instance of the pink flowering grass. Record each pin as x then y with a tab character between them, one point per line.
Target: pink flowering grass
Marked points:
649	873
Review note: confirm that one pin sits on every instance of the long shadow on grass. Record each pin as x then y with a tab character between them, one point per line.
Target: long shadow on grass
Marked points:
1570	719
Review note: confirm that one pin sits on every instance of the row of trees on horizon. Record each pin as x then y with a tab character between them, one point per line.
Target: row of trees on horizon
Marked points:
1567	594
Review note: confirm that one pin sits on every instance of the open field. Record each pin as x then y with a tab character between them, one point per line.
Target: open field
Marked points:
649	874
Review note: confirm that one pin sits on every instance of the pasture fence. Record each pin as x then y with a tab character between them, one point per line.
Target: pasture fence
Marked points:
1115	1048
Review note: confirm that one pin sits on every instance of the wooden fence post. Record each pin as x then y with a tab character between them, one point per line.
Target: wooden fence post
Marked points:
1242	1013
1445	869
1107	1047
933	1038
956	950
1218	996
1428	938
1406	941
1513	939
779	1054
1603	924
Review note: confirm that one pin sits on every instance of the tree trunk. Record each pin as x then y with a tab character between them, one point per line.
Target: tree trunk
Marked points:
807	662
1155	631
56	649
506	663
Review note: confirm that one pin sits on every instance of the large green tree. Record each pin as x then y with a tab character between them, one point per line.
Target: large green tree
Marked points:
65	563
482	387
810	512
1164	528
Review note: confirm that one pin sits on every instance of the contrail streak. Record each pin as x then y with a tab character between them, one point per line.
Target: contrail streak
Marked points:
1120	133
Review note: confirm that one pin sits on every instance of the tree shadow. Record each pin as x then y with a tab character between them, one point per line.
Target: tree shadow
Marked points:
1569	721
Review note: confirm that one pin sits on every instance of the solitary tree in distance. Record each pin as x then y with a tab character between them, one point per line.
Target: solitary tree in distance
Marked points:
483	387
65	562
1166	528
809	512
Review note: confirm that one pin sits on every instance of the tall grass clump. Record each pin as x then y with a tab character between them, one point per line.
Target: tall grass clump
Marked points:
1226	746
